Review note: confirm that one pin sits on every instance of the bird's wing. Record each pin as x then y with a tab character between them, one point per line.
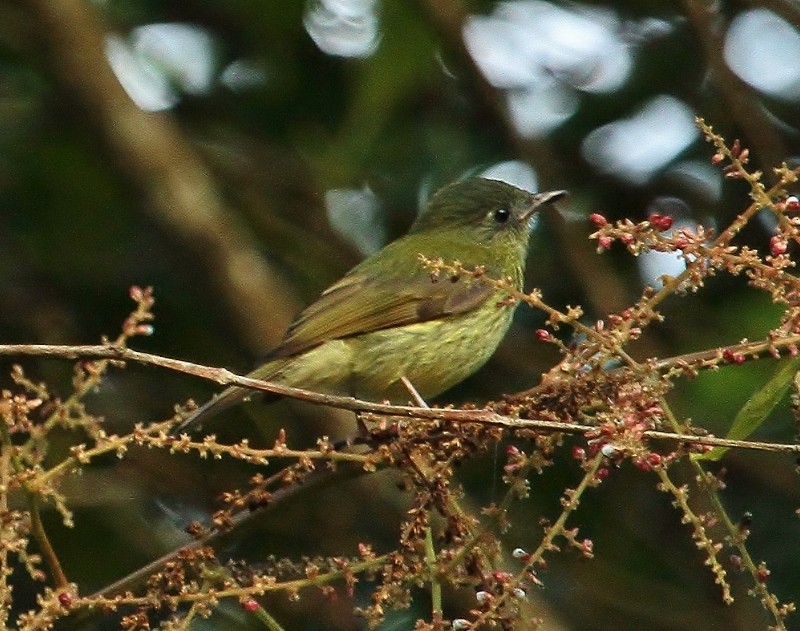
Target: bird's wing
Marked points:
359	304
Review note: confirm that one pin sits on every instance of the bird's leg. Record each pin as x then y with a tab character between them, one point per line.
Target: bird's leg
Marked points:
363	431
427	473
416	396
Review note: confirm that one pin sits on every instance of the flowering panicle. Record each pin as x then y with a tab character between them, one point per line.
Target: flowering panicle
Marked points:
600	405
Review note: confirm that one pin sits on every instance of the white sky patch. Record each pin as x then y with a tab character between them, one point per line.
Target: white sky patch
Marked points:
160	62
764	50
514	172
345	28
653	265
545	55
636	148
355	215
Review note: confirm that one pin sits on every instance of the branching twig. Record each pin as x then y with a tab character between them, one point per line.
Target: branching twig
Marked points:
226	377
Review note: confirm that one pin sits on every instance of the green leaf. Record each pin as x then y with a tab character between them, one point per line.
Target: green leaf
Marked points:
757	408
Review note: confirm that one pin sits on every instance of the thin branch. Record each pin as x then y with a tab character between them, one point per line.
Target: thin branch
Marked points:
37	526
225	377
217	537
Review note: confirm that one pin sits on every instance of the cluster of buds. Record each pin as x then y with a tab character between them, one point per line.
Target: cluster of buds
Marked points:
649	461
15	410
733	357
660	222
139	323
779	243
516	459
506	583
739	157
648	234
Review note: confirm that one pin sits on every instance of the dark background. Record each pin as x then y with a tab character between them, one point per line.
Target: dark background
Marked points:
270	145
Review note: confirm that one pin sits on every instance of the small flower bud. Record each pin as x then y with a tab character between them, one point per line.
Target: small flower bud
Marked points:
543	335
735	358
512	451
483	597
641	464
460	624
518	592
778	245
250	605
660	222
519	553
654	459
792	204
598	220
604	242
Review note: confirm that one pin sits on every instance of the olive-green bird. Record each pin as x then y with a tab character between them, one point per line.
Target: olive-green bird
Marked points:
390	318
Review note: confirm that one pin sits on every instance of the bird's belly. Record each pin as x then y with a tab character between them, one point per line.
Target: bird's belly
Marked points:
433	355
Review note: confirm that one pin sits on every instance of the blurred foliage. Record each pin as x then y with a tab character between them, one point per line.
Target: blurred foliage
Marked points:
77	228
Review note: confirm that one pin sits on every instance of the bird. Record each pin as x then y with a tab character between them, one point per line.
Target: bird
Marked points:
390	321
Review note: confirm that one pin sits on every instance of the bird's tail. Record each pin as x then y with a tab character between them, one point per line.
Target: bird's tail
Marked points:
230	397
227	398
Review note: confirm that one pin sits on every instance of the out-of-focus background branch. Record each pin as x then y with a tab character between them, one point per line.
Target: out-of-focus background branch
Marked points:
241	156
177	187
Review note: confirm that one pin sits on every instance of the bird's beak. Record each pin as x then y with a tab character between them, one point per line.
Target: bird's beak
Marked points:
539	200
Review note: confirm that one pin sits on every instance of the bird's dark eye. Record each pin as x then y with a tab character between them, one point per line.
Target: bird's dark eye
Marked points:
501	215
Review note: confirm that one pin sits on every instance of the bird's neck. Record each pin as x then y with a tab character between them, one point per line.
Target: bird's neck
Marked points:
501	260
